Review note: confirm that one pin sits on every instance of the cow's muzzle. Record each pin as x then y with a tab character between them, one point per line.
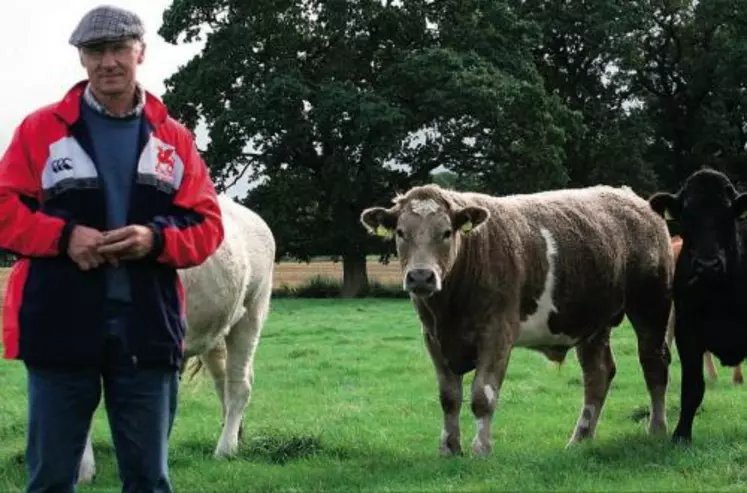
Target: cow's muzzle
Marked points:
707	267
422	281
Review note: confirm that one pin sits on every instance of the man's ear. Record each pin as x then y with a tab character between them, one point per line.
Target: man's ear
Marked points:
379	221
739	206
666	205
470	218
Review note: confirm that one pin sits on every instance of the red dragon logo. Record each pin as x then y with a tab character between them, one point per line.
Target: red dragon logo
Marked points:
165	162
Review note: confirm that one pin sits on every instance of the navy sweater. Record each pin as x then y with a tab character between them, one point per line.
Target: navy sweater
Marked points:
115	144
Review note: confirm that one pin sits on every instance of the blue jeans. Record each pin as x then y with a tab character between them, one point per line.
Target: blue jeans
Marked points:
140	405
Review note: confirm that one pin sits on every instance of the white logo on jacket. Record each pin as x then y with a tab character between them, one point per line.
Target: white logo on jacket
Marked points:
67	165
160	165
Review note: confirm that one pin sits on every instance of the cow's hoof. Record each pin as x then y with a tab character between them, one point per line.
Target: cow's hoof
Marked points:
574	441
657	428
738	380
225	451
681	439
450	451
481	448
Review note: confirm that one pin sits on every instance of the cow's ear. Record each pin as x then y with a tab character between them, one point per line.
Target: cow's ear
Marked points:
379	221
470	218
739	206
666	205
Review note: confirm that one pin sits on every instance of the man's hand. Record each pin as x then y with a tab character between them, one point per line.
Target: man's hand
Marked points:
82	248
127	243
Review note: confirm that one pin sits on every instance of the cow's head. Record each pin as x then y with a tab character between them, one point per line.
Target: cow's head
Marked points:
708	209
428	231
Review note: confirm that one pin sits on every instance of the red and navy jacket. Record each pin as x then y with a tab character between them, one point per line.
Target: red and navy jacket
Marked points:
53	313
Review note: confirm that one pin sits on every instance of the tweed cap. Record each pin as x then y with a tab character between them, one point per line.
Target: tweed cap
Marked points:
107	23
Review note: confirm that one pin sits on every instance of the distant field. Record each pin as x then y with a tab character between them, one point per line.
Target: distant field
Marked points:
294	273
345	400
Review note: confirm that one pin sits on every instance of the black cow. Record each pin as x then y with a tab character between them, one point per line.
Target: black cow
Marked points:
709	281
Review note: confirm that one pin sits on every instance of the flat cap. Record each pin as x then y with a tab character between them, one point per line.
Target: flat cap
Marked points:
107	23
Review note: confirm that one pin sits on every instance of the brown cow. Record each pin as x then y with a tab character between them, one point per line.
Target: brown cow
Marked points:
736	377
549	271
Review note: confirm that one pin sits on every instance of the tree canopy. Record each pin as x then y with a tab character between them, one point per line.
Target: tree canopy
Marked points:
331	106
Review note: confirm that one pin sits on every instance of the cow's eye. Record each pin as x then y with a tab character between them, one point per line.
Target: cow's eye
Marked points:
447	234
400	233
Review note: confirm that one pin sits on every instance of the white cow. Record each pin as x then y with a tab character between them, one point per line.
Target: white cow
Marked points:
228	299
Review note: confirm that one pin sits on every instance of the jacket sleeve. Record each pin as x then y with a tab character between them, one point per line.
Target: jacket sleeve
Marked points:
194	228
24	230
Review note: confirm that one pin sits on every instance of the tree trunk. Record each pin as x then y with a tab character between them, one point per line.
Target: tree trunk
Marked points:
354	275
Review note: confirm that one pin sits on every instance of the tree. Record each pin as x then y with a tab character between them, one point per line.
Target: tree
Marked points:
688	64
583	44
339	104
464	182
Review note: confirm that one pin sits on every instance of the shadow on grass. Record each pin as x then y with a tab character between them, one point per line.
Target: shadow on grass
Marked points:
276	449
12	430
18	459
642	413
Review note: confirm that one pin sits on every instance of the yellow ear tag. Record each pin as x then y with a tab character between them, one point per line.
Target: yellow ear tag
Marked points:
383	232
467	227
667	215
743	215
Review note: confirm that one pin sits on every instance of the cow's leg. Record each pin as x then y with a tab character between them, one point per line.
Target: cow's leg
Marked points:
648	309
215	361
492	362
241	343
693	386
87	469
737	377
710	367
598	367
450	389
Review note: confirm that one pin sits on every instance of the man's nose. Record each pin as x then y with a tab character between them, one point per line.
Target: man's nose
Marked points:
108	59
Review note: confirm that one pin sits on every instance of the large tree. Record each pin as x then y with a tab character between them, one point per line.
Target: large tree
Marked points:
336	105
688	64
581	49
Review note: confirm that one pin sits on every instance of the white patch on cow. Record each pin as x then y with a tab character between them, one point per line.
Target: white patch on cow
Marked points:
587	415
535	331
481	441
424	207
489	394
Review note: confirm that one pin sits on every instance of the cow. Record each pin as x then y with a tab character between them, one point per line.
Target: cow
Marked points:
548	271
709	281
227	301
737	377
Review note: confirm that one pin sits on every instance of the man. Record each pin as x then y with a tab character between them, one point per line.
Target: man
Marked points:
102	196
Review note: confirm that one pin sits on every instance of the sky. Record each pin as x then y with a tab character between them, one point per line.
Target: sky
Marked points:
37	65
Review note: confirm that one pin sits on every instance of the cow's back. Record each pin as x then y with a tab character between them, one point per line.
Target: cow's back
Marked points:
217	290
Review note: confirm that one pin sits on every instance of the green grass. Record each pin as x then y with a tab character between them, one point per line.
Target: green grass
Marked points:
345	399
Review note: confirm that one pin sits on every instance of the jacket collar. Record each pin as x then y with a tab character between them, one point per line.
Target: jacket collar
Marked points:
68	108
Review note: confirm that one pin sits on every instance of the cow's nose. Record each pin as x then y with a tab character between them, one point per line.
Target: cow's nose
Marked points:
418	280
710	264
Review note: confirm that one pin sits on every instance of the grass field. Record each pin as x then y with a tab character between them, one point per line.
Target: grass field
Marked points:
345	400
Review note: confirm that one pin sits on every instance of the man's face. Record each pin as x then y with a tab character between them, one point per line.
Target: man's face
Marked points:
112	65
